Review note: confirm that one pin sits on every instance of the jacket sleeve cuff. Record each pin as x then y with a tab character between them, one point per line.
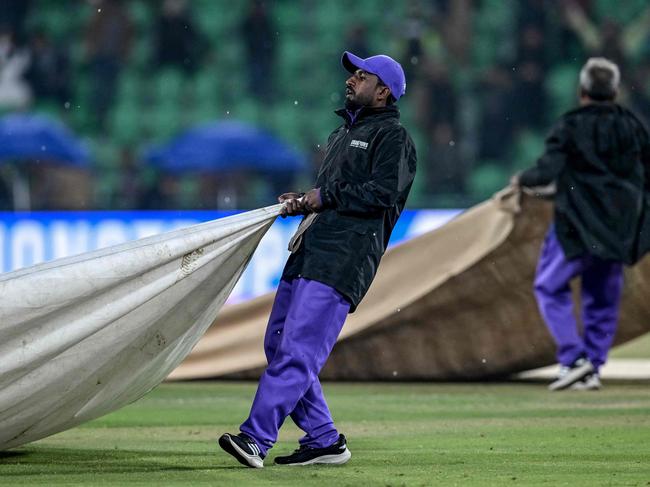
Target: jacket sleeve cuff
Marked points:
528	178
326	198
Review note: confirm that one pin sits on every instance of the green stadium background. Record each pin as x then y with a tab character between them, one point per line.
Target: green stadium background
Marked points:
485	81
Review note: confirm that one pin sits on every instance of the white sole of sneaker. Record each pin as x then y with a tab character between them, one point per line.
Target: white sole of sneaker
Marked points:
339	459
253	461
580	387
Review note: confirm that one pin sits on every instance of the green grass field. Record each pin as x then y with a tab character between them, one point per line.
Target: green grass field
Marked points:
399	434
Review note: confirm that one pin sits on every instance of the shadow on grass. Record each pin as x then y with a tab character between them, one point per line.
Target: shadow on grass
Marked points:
11	454
67	461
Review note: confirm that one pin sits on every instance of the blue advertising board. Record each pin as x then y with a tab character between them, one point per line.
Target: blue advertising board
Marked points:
30	238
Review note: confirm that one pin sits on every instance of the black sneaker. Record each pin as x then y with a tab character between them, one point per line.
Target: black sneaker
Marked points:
568	376
243	448
336	454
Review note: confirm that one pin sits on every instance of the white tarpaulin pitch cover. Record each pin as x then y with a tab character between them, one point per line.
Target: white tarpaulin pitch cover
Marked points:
83	336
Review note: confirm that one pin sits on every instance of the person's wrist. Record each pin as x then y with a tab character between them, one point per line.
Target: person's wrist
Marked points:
326	198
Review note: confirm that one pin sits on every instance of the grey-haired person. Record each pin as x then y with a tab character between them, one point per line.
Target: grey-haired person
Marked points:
598	155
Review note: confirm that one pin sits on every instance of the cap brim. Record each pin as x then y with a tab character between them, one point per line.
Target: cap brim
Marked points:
351	62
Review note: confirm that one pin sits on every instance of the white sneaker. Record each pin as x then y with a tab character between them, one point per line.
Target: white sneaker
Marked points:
568	376
589	383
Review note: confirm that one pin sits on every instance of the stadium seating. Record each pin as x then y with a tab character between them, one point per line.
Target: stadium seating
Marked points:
154	103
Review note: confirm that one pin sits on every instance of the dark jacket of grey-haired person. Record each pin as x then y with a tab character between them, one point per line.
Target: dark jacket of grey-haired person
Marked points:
599	157
365	179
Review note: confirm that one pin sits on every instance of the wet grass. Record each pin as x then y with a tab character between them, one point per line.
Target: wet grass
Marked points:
399	434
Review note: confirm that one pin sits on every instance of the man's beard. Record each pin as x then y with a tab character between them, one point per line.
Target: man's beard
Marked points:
354	104
351	105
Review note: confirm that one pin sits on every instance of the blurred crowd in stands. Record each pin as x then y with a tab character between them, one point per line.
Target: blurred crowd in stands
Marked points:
486	78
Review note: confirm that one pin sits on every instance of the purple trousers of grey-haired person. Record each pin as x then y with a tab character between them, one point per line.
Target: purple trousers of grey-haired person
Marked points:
601	286
305	322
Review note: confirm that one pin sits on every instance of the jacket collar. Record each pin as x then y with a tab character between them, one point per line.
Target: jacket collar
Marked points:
596	106
365	113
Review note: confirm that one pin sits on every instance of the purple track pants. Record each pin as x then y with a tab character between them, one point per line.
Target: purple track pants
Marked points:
305	321
602	283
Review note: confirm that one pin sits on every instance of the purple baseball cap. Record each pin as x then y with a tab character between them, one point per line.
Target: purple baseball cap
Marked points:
385	67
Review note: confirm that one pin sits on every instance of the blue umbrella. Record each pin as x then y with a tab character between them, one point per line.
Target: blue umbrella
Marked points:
225	146
36	137
29	137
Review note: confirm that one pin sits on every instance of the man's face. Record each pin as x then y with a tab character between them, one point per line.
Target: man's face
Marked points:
363	89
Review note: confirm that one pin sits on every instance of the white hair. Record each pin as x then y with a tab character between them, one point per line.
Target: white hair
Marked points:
600	87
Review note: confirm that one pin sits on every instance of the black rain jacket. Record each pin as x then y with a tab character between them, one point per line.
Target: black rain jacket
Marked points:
365	179
599	157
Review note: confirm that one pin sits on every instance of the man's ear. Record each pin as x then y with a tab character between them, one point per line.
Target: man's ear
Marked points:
384	92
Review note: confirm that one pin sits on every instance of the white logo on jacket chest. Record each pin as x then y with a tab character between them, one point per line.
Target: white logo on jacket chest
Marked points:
359	143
